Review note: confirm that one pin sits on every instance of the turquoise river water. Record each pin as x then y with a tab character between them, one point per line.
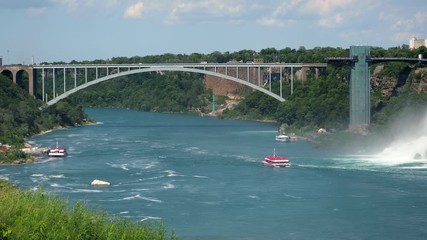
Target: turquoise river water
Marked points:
203	178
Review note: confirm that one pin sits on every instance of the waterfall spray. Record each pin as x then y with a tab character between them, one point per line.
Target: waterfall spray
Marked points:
410	144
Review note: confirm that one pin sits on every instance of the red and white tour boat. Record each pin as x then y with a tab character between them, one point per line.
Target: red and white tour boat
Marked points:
57	151
276	160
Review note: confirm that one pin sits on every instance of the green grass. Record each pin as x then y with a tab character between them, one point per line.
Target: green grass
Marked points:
38	215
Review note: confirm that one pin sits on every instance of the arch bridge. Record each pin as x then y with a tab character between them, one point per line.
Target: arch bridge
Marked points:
60	81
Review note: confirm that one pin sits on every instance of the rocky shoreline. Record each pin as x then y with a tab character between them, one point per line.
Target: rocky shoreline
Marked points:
36	154
21	161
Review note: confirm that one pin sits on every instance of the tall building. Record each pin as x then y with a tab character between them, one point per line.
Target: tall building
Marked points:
360	100
415	43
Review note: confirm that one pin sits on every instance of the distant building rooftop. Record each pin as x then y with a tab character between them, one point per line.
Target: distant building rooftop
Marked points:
415	43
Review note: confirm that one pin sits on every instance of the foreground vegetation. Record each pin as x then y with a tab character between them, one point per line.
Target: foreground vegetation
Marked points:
37	215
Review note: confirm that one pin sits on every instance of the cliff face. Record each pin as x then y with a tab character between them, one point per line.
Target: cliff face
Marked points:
221	86
419	83
225	87
385	84
389	85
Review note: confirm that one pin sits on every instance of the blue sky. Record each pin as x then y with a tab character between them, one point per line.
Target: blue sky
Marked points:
65	30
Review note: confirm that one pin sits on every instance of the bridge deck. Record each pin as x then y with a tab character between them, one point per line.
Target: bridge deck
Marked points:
184	65
375	60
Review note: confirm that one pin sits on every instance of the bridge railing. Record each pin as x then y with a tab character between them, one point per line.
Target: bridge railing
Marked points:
191	65
376	60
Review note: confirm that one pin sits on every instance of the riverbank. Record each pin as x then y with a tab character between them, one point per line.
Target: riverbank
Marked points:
35	153
26	155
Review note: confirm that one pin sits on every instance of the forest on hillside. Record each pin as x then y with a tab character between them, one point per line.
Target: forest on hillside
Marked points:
168	92
20	114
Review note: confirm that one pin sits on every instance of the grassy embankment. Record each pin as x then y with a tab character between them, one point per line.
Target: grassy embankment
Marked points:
37	215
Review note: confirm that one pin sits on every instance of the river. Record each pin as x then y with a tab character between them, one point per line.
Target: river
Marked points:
203	178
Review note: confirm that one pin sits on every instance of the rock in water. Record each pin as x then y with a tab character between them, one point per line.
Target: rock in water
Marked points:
97	182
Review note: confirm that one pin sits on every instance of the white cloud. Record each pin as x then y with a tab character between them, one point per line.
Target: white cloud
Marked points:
177	11
324	7
27	4
74	5
359	36
414	22
398	24
135	11
420	18
323	13
332	13
206	10
332	21
274	22
221	7
281	16
402	37
285	8
36	11
70	4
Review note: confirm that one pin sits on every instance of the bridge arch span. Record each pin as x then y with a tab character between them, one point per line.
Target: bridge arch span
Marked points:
7	73
16	72
160	69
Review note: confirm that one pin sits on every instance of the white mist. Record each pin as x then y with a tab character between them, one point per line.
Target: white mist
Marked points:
410	142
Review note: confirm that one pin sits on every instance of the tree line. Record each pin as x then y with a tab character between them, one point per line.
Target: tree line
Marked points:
165	92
